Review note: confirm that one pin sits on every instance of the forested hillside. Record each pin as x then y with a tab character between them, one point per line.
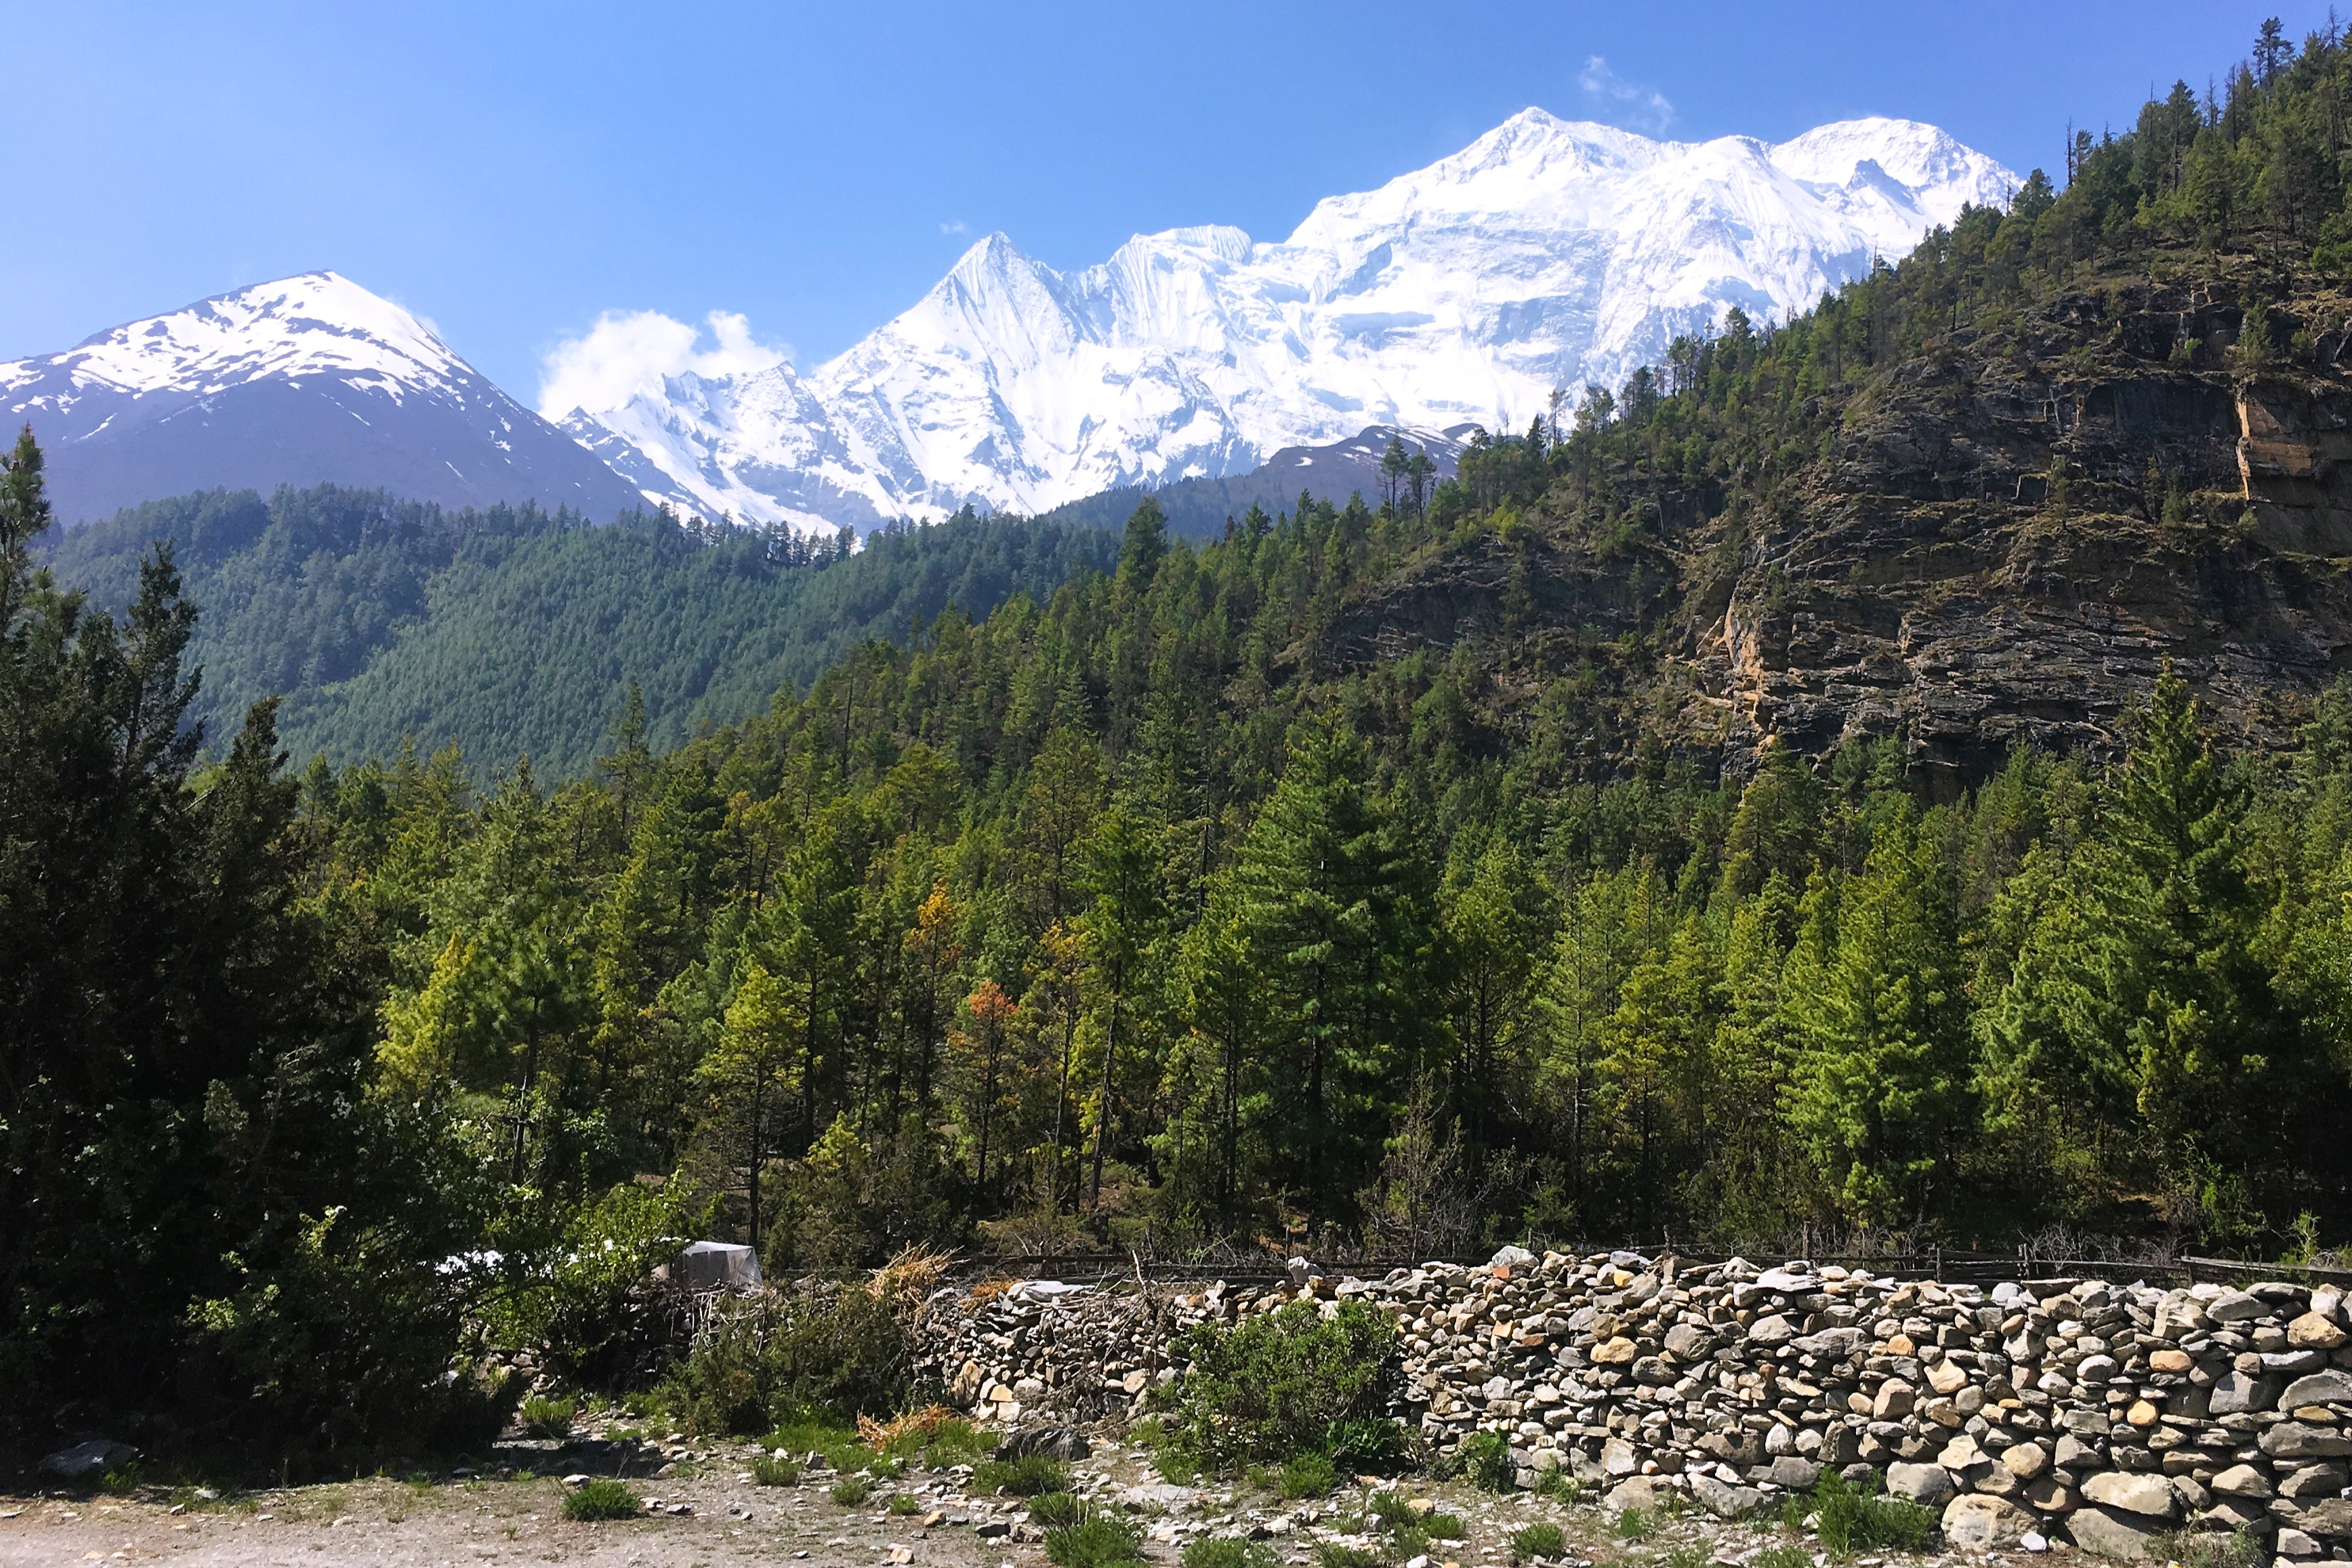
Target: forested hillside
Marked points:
511	631
1389	877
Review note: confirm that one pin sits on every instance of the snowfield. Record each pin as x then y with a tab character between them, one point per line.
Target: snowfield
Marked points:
1547	253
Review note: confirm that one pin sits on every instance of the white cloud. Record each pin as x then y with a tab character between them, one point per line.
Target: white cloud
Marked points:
955	226
1638	108
628	352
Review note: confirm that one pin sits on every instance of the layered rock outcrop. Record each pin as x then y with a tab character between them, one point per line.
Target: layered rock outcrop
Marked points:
2104	1413
1996	543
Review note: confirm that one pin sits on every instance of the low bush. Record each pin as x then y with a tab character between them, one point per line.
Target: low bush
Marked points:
1485	1458
1848	1519
1632	1524
951	1443
851	1491
1364	1442
580	1298
1331	1554
1229	1552
1408	1542
1445	1526
778	1355
547	1418
600	1499
1271	1388
1056	1510
2207	1549
905	1503
1028	1476
769	1471
1533	1540
1390	1510
1554	1484
1783	1557
1097	1541
1306	1476
839	1446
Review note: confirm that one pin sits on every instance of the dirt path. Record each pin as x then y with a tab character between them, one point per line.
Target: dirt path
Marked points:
726	1519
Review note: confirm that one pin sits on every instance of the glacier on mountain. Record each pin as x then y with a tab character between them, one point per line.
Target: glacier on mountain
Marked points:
1548	254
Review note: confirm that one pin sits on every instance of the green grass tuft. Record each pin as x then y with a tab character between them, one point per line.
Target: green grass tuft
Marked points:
1097	1541
548	1417
769	1471
600	1499
1486	1458
1306	1476
851	1491
1028	1475
1056	1510
1229	1552
1533	1540
1848	1519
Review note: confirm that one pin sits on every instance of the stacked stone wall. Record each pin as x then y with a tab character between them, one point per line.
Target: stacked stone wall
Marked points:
2074	1409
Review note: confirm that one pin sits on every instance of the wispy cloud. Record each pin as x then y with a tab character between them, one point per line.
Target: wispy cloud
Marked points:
629	352
955	226
1627	103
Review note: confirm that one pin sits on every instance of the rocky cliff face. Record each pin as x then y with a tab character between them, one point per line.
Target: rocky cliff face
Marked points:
1998	546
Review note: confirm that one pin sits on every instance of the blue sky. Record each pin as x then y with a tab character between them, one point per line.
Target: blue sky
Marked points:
512	171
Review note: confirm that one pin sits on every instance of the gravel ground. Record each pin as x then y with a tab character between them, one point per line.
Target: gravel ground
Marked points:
710	1513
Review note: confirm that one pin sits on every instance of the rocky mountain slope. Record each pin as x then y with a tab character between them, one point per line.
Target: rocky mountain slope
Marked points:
1995	540
1547	253
304	381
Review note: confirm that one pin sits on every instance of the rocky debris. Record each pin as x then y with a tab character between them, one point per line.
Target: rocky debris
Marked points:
2061	1408
88	1461
1054	1442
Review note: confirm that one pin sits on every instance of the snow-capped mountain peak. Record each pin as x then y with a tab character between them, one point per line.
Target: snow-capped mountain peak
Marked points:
1549	253
301	381
313	324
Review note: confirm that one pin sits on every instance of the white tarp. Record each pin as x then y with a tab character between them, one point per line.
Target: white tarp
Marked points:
716	1265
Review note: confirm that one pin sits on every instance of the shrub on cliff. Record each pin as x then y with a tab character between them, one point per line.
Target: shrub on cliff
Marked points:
1272	1387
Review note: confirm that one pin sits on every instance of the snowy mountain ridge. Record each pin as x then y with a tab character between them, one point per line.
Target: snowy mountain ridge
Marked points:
302	381
316	324
1547	253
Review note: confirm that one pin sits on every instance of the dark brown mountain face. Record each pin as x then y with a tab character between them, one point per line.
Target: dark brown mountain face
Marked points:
1994	541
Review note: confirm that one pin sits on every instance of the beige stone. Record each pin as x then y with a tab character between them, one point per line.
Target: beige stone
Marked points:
2025	1460
2110	1533
1976	1522
2050	1495
2171	1361
2313	1333
2143	1414
2138	1492
2242	1480
1947	1378
1895	1400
